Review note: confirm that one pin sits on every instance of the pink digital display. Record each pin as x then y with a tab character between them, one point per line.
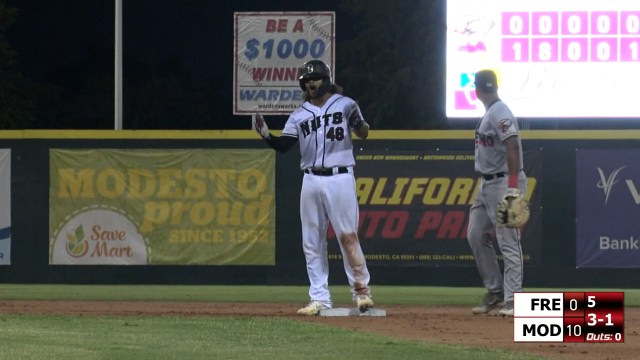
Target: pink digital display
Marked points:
569	36
546	52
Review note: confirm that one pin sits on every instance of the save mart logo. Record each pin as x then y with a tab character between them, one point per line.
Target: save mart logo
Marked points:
99	235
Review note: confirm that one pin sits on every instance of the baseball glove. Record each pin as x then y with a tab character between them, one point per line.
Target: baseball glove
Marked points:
513	210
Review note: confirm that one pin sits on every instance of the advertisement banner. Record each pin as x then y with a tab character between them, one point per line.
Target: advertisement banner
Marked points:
5	207
162	207
414	208
608	208
269	49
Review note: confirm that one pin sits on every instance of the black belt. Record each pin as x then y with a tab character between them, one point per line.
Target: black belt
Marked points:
492	176
326	172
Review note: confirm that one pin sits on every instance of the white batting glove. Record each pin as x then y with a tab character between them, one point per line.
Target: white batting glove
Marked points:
260	126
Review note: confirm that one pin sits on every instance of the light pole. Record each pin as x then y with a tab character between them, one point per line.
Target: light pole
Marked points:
118	67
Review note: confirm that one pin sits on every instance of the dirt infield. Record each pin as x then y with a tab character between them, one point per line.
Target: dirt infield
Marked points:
447	325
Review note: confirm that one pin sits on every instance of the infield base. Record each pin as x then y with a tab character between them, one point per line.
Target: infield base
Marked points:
352	312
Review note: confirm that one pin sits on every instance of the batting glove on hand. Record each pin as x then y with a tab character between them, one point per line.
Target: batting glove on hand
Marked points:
260	126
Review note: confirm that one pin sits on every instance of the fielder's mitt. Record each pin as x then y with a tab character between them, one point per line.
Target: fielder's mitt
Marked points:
513	210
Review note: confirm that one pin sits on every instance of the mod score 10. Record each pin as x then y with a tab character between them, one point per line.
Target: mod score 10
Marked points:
569	317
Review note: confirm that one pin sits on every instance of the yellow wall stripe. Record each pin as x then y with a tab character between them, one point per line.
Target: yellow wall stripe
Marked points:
251	135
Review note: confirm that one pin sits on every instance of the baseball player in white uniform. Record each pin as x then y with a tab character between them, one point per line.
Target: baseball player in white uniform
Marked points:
323	125
498	158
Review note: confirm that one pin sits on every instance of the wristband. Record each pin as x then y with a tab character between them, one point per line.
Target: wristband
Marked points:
513	181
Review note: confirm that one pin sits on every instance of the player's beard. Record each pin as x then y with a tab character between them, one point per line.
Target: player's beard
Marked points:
313	91
318	91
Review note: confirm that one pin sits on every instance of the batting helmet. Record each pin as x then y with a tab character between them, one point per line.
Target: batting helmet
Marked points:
315	69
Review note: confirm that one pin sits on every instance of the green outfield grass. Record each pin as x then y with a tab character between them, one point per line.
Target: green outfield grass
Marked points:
169	337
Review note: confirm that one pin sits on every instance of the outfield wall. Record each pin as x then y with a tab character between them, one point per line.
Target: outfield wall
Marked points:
401	255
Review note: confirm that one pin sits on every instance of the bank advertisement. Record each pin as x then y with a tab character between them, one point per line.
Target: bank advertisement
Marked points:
608	208
162	207
414	207
5	206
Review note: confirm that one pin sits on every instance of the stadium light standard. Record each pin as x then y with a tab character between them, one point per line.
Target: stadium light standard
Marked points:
118	67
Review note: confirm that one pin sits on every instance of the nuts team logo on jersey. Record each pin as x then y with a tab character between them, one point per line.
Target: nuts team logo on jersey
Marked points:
314	124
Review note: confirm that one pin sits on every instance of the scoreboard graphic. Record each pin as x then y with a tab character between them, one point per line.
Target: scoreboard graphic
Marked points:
570	317
545	52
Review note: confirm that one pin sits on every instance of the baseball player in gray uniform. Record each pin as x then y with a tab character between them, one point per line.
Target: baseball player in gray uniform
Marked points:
323	125
498	158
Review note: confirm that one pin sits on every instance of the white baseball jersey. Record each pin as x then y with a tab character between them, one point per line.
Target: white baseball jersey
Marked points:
324	133
325	141
497	124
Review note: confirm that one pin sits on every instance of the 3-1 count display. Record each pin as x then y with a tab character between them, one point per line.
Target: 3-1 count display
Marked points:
569	317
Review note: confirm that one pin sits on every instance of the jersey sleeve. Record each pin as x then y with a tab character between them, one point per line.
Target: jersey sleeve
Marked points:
290	129
505	124
354	115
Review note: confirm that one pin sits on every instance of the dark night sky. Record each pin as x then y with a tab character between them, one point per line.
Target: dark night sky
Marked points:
60	41
199	32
